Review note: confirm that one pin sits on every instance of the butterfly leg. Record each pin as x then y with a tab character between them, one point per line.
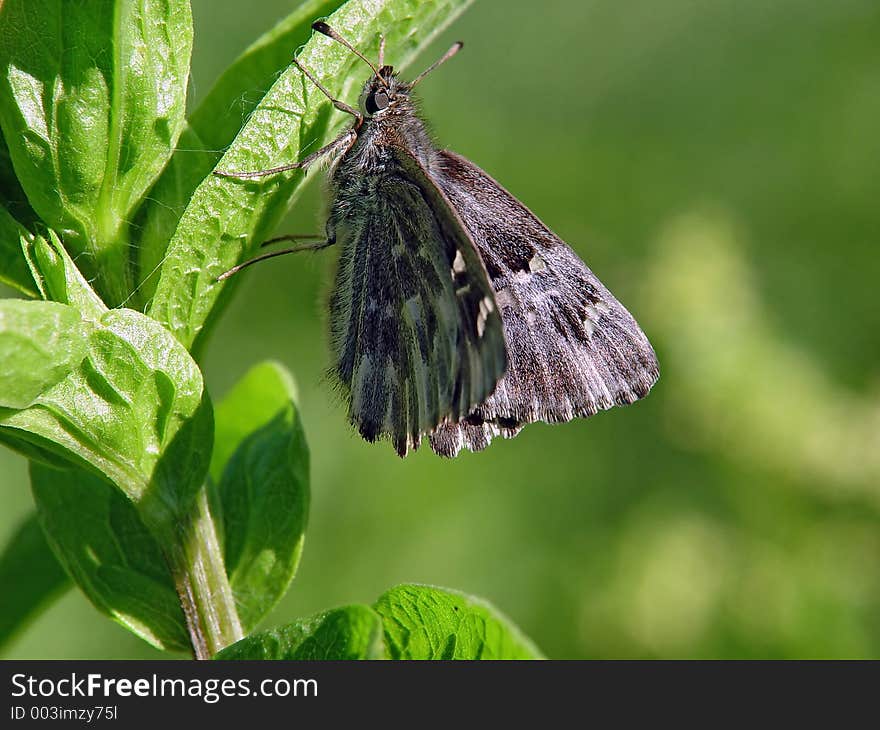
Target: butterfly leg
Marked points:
341	105
343	141
312	246
292	237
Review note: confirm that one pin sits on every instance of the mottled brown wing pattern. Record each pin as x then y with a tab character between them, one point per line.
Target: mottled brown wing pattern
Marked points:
573	349
416	334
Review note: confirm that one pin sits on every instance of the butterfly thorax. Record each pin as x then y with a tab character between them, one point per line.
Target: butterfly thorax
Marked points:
395	124
367	177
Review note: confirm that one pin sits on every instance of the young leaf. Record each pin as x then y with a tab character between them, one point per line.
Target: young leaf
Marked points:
352	632
422	622
58	278
13	269
227	219
212	127
110	553
41	343
264	487
31	577
133	409
252	402
92	100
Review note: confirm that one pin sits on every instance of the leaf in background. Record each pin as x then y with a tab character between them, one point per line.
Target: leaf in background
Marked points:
13	269
423	622
352	632
110	553
31	577
212	127
58	278
133	409
226	220
92	100
41	343
264	487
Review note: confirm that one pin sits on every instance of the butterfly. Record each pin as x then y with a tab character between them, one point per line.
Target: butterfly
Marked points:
455	314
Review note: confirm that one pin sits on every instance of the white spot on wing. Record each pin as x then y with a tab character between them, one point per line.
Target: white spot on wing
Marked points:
486	308
458	265
597	309
504	298
592	312
591	316
536	263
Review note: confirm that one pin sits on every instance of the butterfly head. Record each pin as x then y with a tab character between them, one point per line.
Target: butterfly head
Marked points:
383	92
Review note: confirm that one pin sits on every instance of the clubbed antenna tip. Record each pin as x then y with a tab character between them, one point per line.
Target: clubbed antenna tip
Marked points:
321	27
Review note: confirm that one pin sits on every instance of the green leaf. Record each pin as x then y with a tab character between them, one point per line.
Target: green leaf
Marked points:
212	127
58	278
264	487
15	217
41	343
133	409
423	622
13	269
12	197
103	544
31	577
252	402
227	219
92	101
352	632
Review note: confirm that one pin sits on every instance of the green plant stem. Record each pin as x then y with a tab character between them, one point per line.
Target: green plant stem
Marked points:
197	565
113	272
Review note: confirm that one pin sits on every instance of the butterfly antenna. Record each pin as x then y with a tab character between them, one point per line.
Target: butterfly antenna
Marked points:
456	47
381	51
322	27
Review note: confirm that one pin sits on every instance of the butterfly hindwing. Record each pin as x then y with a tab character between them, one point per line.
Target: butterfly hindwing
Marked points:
573	349
416	333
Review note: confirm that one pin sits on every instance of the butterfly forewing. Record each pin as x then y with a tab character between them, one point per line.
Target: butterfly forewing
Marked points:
573	349
416	332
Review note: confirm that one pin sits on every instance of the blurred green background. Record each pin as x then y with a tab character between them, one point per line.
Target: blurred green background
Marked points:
717	164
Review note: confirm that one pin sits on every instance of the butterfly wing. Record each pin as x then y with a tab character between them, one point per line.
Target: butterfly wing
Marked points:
415	331
573	349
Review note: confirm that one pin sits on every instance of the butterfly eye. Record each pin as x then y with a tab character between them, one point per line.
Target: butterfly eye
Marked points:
377	101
